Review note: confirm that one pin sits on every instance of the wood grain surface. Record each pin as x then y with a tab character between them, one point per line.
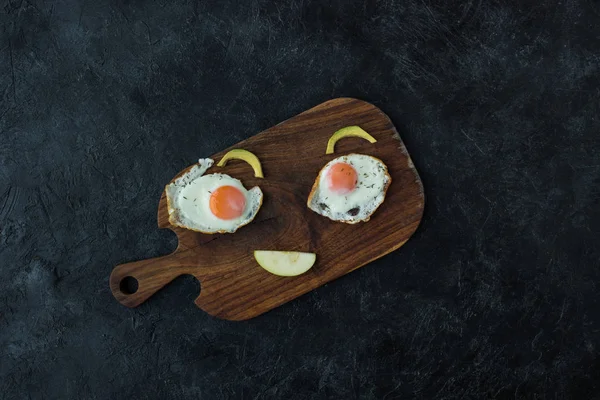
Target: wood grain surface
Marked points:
233	285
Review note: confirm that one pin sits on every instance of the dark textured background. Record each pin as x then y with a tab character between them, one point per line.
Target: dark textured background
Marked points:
497	294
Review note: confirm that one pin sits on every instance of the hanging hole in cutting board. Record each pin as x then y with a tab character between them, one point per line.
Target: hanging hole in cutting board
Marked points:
128	285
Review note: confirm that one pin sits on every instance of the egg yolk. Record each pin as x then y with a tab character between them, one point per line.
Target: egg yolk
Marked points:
342	178
227	202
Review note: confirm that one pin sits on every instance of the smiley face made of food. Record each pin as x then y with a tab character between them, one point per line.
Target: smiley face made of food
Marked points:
348	189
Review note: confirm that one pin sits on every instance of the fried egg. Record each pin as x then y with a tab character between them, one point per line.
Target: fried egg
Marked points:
350	188
213	203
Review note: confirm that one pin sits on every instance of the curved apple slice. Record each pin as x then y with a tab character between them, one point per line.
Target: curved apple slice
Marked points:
349	131
244	155
285	263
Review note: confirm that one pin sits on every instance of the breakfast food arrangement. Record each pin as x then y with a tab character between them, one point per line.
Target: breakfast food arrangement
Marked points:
284	211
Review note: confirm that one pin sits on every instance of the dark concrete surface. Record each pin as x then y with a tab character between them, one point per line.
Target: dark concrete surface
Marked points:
497	294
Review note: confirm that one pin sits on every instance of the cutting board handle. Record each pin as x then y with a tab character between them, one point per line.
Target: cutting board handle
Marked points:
134	282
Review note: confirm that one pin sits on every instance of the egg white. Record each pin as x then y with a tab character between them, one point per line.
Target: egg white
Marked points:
188	199
372	183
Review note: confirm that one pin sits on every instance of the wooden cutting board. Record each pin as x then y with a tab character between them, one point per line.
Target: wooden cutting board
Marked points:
233	285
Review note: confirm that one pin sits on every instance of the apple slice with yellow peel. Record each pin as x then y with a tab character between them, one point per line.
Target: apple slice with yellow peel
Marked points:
285	263
244	155
349	131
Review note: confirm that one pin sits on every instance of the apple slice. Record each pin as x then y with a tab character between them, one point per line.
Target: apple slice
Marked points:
285	263
244	155
349	131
